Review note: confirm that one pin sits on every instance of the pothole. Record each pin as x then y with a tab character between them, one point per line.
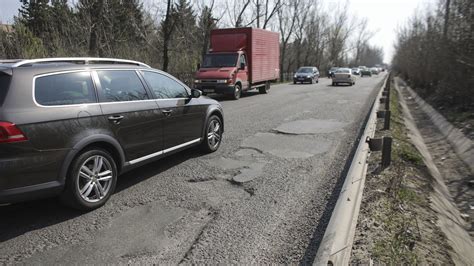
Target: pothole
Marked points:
249	173
310	126
240	171
286	146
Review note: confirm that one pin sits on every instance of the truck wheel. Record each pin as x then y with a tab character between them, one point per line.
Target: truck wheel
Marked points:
264	89
237	92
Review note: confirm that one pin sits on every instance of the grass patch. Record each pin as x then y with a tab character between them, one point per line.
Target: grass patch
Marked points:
398	245
396	225
403	150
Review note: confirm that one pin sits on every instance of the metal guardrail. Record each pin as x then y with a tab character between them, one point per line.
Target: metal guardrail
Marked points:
336	245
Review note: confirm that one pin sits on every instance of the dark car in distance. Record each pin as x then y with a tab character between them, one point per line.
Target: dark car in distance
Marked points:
70	126
365	72
308	74
331	71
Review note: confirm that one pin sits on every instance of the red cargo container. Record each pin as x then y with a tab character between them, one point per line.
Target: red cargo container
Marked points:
239	59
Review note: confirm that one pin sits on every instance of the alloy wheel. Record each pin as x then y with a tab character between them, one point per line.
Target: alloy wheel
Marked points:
214	134
94	179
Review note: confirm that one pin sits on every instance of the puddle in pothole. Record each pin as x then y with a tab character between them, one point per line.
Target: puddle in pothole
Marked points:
286	146
310	126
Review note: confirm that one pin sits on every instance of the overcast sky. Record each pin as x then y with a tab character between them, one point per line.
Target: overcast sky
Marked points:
384	16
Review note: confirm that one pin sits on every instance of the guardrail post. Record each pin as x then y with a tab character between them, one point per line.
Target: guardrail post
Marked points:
386	152
386	121
385	145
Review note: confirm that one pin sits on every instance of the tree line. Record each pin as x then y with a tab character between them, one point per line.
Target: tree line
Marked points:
173	35
435	53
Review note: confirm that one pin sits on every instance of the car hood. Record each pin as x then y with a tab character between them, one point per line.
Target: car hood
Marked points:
215	73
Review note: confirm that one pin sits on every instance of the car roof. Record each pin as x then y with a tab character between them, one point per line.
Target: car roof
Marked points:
58	67
67	63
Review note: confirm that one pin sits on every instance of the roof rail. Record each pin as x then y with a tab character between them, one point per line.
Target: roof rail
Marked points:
9	61
84	60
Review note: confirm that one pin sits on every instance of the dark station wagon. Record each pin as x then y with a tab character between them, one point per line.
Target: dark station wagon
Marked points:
70	126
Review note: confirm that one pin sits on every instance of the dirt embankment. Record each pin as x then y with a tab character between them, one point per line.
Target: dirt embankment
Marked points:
408	214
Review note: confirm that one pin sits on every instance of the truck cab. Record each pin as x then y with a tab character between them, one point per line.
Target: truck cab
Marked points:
223	73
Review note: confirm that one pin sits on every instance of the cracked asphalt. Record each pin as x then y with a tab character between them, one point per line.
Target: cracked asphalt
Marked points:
265	197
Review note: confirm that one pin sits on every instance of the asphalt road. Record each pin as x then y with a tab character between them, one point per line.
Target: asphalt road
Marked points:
264	197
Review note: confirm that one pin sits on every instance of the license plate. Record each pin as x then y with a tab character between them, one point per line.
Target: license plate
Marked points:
300	78
208	90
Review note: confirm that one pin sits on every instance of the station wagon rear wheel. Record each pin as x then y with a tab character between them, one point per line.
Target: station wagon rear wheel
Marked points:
91	180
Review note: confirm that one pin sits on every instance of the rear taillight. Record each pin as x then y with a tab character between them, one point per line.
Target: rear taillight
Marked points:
9	132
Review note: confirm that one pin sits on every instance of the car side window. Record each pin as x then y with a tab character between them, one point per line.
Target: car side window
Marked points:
164	87
65	89
121	86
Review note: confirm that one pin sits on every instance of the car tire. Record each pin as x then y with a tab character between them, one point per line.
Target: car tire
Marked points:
334	83
92	172
212	137
237	92
317	80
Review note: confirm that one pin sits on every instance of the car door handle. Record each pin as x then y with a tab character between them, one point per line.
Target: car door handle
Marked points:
116	118
167	112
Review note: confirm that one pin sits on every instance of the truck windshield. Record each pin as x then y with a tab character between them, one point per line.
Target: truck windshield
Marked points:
219	60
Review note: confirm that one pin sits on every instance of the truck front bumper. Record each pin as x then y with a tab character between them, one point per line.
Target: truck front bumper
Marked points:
215	88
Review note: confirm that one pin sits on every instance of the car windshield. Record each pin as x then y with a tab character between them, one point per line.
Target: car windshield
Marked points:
305	70
219	60
343	70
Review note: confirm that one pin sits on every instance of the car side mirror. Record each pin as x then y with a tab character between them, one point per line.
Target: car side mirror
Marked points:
195	93
242	66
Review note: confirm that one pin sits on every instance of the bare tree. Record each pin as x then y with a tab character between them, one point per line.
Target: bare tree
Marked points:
167	30
287	17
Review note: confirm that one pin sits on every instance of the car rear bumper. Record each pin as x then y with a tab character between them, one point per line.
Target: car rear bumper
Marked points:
31	192
215	88
27	173
342	80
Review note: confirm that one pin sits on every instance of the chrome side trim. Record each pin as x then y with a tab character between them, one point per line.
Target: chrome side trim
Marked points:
149	156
